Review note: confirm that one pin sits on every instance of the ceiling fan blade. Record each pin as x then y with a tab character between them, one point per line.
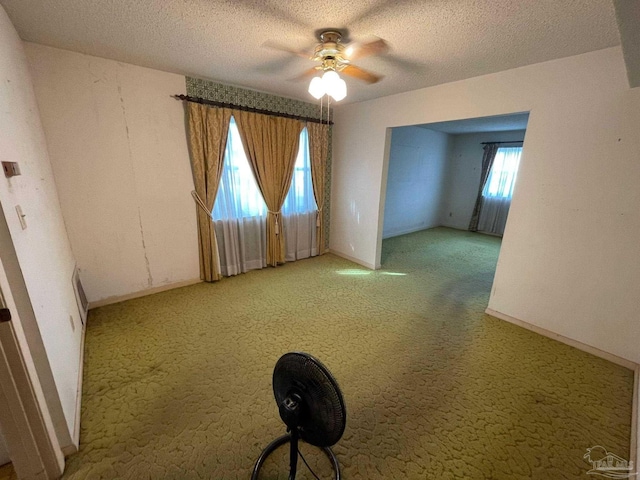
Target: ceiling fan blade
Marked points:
356	51
360	74
283	48
305	75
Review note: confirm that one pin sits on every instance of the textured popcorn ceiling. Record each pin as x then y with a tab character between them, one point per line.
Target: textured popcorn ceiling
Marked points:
432	42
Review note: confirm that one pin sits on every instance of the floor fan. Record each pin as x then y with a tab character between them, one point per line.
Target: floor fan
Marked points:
311	406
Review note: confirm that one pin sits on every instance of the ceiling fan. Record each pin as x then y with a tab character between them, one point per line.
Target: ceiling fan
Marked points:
333	57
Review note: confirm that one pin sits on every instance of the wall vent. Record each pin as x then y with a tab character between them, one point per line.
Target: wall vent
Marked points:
81	297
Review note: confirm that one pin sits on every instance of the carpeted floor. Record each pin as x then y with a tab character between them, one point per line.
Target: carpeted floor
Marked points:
178	384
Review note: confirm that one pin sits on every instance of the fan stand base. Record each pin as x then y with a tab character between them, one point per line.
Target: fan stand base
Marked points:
281	441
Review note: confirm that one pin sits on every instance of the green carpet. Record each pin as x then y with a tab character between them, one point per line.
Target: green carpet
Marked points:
178	384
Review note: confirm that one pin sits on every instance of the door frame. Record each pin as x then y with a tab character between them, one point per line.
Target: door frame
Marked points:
26	423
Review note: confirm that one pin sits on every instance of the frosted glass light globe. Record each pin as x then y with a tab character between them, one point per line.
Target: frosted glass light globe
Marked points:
317	87
329	79
339	90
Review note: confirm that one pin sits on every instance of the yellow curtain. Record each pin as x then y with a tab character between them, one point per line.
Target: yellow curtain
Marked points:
271	145
318	151
208	128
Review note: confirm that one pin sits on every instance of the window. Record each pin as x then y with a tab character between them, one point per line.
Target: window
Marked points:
238	193
503	173
240	213
300	198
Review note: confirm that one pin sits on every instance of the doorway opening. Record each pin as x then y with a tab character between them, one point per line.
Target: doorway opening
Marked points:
435	173
454	179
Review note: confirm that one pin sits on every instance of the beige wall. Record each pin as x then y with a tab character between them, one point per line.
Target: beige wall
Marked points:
38	259
569	260
118	150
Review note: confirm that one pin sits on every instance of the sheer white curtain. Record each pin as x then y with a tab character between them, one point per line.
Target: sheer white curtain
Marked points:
497	192
240	213
299	208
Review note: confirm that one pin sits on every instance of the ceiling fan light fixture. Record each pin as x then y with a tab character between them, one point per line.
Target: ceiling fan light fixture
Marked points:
329	78
316	88
330	84
339	90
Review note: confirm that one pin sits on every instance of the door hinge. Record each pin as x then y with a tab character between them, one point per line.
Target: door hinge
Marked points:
5	315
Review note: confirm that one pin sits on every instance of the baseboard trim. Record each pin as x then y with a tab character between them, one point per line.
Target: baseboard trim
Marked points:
399	233
569	341
142	293
370	266
634	450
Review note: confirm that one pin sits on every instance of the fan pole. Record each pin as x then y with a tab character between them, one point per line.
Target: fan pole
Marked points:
293	453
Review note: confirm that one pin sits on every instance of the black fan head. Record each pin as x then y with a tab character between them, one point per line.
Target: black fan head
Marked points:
301	379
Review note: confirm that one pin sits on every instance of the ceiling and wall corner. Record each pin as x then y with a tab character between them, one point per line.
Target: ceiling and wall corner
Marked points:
431	42
628	17
496	123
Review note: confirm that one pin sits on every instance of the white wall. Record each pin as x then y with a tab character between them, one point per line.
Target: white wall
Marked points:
38	259
569	258
463	175
119	153
417	164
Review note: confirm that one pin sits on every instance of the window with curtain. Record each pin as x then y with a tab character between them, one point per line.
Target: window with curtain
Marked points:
503	173
299	207
238	194
497	192
239	212
300	197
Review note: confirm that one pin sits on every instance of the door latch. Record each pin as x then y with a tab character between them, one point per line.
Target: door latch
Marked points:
5	315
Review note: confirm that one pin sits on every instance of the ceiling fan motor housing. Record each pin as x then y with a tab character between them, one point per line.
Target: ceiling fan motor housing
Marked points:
331	52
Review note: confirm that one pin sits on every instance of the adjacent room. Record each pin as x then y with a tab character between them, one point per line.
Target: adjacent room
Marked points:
445	174
361	240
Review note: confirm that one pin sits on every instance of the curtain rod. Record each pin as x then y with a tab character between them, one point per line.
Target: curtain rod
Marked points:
491	143
204	101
